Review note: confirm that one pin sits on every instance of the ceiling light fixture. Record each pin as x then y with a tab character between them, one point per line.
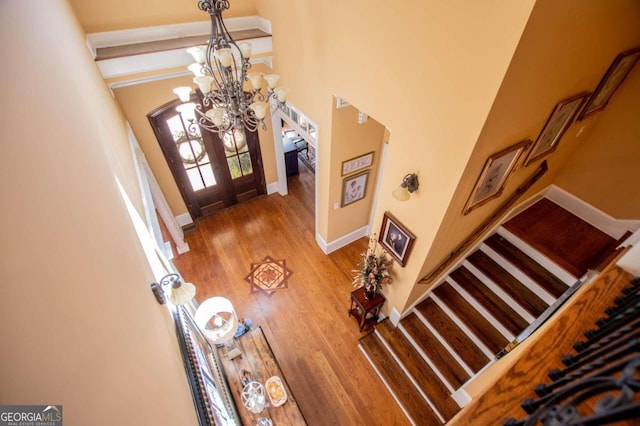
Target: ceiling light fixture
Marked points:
409	184
220	72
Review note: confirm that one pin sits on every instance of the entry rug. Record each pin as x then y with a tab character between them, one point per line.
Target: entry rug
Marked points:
268	276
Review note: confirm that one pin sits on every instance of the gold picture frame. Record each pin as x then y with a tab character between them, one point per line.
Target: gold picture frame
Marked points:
358	163
557	124
494	175
354	188
612	79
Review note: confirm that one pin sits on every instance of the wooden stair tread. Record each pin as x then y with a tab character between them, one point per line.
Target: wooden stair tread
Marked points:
455	337
507	282
408	396
528	266
424	376
497	307
435	351
474	320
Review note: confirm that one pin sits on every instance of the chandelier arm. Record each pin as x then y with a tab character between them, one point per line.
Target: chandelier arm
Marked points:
232	106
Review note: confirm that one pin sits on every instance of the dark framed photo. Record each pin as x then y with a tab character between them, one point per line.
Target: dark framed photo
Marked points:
558	122
395	238
354	188
612	79
494	175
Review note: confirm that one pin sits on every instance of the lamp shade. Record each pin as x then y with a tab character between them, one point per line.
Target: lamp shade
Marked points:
260	108
204	83
281	93
217	320
198	53
183	92
256	79
401	193
272	80
182	294
216	115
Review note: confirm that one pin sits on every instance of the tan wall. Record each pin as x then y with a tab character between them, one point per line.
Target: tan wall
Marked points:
349	140
565	49
80	326
427	70
138	100
603	169
99	15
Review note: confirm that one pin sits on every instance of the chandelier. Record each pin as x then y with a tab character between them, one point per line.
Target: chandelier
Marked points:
220	71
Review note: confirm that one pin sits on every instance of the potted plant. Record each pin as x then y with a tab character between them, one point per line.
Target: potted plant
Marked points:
374	270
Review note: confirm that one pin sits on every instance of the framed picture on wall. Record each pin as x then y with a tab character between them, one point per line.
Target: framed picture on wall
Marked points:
558	122
358	163
395	238
354	188
494	175
612	79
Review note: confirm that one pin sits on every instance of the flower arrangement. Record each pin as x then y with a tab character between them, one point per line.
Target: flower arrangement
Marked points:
374	270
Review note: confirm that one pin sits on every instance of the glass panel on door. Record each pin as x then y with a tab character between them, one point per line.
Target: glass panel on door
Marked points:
237	153
190	145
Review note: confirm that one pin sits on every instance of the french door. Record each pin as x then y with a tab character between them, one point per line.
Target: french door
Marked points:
211	172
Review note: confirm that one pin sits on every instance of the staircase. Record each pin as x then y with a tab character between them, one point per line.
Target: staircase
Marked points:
464	322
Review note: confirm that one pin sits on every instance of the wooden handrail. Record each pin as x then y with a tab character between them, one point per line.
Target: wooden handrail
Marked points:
480	230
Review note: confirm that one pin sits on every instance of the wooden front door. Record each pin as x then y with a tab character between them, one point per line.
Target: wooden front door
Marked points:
211	172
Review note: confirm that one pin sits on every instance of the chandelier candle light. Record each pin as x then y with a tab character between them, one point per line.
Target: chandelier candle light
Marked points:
221	72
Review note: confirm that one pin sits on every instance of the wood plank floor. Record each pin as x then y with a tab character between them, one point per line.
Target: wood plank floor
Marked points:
313	338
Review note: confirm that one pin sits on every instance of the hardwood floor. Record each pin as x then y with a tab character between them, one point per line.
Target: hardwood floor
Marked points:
313	338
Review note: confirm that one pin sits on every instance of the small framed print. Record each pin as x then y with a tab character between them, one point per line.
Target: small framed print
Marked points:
395	238
358	163
354	188
559	121
612	79
494	175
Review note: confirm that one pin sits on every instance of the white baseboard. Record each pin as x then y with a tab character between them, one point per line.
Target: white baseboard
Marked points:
184	219
342	241
631	260
394	317
461	397
272	188
182	248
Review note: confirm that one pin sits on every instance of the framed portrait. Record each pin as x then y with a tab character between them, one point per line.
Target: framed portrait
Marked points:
558	122
395	238
612	79
358	163
494	175
354	188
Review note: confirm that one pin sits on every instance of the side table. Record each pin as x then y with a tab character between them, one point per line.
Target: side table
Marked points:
365	311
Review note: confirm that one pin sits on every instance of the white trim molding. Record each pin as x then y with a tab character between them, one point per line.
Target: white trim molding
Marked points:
342	241
184	219
167	32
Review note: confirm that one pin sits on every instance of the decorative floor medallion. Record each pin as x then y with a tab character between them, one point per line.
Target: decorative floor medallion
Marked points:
268	276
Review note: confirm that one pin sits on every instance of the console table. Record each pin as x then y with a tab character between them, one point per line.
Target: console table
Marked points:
257	358
364	310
